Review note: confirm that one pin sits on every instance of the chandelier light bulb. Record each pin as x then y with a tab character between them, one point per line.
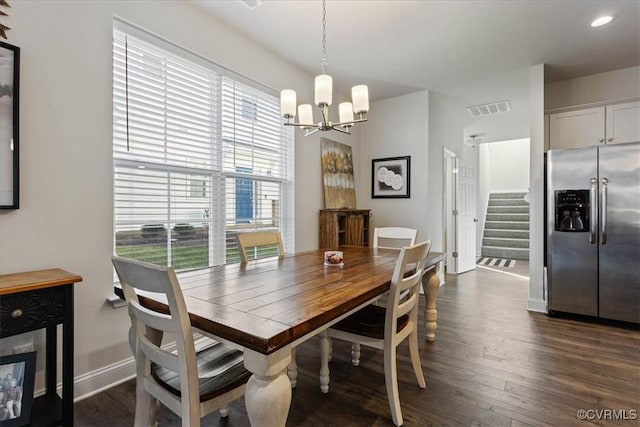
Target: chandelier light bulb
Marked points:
288	103
346	112
360	97
305	115
324	85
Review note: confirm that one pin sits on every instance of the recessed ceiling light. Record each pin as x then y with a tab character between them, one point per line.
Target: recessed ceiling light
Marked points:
601	21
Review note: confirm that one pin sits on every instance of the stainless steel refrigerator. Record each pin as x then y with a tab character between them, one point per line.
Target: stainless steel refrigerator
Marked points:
593	231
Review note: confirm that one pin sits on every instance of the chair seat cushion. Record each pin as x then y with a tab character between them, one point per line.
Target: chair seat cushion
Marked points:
220	369
368	322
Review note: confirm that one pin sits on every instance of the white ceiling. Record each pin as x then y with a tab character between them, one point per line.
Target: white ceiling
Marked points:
474	51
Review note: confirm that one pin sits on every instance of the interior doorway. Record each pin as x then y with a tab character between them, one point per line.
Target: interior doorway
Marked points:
503	209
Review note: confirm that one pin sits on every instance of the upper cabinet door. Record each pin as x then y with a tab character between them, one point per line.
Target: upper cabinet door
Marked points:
579	128
623	123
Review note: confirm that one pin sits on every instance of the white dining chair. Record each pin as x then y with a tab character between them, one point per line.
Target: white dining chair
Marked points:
191	384
384	328
394	237
263	243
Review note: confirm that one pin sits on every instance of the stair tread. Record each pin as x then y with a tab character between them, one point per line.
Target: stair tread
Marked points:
503	247
504	238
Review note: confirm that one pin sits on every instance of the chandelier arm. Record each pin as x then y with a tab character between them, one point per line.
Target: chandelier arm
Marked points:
302	125
349	123
341	129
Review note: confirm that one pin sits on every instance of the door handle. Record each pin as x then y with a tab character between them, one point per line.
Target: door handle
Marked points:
475	219
593	203
603	210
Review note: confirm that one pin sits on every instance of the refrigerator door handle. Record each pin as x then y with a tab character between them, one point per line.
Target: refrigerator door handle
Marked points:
592	222
603	210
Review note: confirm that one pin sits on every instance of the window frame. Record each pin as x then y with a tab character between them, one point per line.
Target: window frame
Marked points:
213	173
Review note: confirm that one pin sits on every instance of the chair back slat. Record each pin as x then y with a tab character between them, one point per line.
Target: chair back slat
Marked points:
159	321
159	356
394	237
258	239
407	304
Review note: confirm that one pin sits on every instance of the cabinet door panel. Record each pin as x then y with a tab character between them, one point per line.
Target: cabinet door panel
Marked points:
580	128
623	123
355	230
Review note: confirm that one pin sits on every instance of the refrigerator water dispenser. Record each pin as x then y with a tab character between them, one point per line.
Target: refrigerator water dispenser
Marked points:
572	210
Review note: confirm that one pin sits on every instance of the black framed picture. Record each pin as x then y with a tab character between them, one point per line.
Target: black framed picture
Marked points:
9	129
391	177
17	375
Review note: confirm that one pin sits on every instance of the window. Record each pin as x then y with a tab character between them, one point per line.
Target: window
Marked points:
200	154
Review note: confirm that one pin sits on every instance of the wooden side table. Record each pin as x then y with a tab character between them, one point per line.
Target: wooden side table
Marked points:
42	300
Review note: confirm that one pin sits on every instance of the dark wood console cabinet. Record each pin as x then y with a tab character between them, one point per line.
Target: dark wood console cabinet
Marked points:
344	227
43	300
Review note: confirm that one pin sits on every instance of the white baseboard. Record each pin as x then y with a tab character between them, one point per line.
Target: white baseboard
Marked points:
94	382
91	383
537	305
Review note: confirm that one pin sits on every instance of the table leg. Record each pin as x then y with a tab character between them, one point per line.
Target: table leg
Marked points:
325	351
430	285
67	359
292	369
268	393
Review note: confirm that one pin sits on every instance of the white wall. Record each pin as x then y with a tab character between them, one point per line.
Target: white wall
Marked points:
65	219
446	124
536	204
609	86
397	127
508	165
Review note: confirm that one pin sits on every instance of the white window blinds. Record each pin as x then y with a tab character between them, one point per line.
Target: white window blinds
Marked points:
199	155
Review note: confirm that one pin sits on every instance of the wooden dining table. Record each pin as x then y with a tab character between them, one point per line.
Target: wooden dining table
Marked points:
267	307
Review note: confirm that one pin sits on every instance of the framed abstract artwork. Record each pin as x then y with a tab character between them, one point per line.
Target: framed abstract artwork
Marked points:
391	178
337	175
9	147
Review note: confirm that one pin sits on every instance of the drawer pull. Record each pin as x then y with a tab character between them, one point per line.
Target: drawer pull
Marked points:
17	313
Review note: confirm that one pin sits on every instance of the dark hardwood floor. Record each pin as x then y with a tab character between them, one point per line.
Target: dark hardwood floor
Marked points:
492	364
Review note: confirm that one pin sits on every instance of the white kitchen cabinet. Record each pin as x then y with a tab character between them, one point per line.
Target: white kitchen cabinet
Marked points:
623	122
611	124
579	128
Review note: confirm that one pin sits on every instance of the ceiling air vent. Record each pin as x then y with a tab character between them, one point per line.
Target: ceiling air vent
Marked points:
252	4
489	109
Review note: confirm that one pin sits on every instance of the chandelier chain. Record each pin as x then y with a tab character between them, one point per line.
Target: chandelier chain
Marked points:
324	36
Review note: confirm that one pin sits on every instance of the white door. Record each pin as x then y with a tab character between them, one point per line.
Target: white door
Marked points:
466	216
448	211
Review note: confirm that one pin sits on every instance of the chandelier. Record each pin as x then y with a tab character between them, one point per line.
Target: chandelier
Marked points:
323	98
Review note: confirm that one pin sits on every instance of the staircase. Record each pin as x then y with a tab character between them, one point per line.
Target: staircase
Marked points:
506	227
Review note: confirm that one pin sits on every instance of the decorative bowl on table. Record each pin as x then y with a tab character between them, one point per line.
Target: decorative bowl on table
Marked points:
333	258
